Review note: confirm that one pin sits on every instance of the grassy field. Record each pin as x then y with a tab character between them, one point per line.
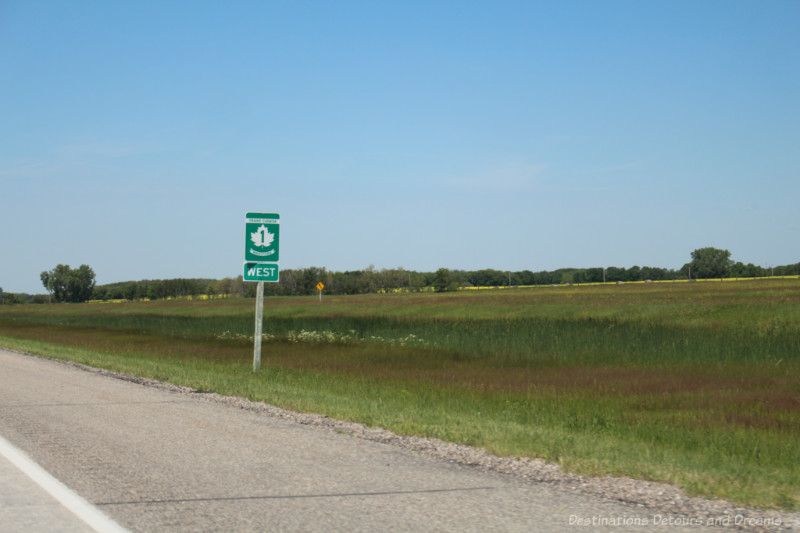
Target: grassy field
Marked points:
694	384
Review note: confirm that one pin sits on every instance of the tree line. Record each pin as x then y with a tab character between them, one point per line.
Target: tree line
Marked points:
65	284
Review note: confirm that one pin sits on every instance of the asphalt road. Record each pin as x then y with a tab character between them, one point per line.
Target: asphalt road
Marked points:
154	460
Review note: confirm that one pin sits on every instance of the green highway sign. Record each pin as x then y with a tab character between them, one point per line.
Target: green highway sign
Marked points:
261	272
262	237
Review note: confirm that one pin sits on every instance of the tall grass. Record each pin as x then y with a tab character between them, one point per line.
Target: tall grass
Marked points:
522	340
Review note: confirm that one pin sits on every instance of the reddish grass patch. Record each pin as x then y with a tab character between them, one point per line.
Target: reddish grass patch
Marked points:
731	396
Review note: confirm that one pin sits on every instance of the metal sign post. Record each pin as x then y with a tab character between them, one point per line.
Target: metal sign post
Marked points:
259	323
262	239
320	286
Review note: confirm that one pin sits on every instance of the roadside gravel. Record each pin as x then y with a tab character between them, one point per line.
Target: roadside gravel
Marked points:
654	497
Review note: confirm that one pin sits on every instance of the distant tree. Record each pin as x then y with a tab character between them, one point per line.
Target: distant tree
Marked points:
481	278
69	285
593	275
648	273
710	263
81	284
311	276
99	293
787	270
48	280
526	277
394	278
616	274
11	298
55	281
740	270
442	280
222	286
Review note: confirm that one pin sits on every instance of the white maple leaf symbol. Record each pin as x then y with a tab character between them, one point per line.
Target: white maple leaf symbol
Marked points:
262	236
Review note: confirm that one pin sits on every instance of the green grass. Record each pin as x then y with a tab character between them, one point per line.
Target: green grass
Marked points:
693	384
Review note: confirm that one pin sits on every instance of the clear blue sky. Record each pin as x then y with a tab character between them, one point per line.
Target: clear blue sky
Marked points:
134	136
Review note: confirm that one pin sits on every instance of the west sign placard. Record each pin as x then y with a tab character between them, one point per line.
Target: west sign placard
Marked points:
261	272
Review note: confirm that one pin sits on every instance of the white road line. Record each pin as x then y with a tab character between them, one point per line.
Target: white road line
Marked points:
66	497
